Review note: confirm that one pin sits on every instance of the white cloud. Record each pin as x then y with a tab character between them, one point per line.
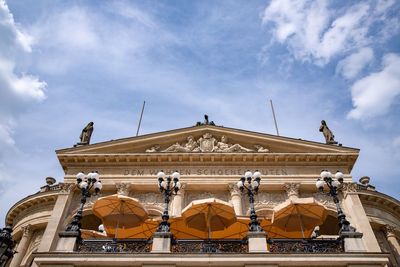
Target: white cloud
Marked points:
374	94
314	31
17	89
352	65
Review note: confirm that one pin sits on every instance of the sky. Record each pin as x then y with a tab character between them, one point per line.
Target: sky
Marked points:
66	63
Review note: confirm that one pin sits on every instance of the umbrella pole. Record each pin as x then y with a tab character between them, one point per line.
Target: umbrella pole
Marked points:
301	222
208	221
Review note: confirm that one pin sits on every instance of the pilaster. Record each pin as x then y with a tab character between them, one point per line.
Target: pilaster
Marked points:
358	217
50	235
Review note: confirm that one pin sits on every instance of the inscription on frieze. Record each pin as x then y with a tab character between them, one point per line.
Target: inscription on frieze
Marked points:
203	171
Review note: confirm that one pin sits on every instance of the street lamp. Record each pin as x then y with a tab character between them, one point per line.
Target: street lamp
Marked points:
85	183
6	245
168	186
333	184
253	183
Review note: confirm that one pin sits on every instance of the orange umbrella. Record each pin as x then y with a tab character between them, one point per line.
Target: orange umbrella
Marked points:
117	211
181	230
88	234
209	215
143	231
298	215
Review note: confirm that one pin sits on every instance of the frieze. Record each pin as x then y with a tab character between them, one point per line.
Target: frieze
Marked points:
292	189
268	200
191	196
207	143
204	171
152	199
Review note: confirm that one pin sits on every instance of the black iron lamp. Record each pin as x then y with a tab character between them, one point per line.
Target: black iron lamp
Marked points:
86	183
6	245
333	185
168	186
251	183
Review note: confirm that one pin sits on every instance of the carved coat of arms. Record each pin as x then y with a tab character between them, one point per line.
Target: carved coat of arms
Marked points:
207	142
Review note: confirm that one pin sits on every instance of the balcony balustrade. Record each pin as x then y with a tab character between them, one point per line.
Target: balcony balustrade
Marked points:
293	246
114	246
306	245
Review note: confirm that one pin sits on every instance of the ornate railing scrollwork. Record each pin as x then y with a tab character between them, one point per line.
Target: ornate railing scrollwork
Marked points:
306	245
114	246
209	246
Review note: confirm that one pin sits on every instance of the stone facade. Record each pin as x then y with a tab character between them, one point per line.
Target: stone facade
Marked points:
210	160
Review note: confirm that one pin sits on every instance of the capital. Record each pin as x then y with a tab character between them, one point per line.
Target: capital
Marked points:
389	230
27	230
122	188
292	189
235	191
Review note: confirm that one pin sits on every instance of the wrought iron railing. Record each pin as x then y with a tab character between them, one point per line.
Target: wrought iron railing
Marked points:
209	246
306	245
114	246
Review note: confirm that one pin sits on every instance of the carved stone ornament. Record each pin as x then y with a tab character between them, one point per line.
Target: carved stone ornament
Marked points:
269	200
292	189
67	188
389	230
122	188
349	188
27	230
206	143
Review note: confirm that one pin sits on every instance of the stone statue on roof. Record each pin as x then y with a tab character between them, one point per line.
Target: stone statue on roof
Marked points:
206	121
86	134
329	137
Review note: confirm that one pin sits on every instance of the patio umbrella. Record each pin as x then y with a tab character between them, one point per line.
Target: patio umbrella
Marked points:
119	212
88	234
209	215
299	215
144	231
181	230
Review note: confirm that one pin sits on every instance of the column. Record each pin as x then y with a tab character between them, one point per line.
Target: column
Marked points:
22	246
56	221
236	199
358	218
391	238
177	202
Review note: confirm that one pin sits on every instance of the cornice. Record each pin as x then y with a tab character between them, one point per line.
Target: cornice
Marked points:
380	201
40	198
201	158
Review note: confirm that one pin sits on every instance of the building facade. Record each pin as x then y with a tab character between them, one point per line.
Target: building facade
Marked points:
210	160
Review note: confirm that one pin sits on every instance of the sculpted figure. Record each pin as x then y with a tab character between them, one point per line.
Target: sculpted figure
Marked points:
153	149
86	134
329	137
261	149
190	146
223	146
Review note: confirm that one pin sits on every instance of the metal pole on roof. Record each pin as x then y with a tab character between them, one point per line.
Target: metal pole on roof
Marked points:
140	120
273	114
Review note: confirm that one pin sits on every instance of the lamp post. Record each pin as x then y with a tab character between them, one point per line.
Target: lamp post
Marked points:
6	245
85	183
168	186
251	182
333	184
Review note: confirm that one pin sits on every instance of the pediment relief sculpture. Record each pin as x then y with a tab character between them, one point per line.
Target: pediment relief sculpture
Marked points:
207	143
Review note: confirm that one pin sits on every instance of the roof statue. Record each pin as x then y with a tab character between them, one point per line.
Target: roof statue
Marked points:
206	121
86	134
329	137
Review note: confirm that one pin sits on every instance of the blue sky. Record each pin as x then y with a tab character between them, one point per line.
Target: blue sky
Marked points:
65	63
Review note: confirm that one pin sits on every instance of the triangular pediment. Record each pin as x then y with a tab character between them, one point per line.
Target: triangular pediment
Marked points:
207	139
